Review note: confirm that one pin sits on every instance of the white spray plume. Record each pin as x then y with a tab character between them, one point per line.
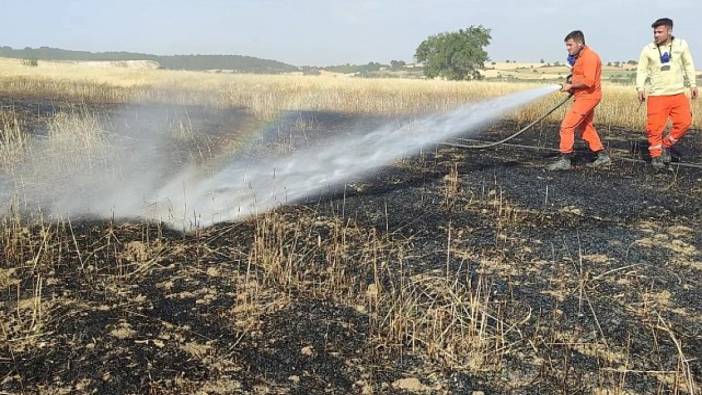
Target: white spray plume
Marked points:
79	172
241	189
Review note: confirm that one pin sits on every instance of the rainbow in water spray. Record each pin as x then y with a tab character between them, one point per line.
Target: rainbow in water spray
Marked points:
241	189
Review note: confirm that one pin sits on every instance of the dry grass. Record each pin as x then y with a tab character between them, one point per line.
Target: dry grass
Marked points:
267	95
76	140
47	166
451	319
448	318
13	140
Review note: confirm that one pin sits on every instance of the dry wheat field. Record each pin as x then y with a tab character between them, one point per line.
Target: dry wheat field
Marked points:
450	272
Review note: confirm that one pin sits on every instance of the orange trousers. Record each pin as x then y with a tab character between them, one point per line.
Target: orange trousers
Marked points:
580	119
660	108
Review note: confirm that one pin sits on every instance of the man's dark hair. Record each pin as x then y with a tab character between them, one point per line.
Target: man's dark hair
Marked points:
667	22
576	35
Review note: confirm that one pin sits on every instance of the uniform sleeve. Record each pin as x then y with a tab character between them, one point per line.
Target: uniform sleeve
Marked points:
642	71
590	65
689	66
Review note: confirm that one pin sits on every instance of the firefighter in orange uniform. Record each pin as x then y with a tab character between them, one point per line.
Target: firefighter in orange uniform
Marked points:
665	64
587	90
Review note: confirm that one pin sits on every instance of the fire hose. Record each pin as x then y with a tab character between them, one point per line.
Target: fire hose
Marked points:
522	130
483	145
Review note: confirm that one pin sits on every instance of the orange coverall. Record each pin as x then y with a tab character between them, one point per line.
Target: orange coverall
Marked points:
666	92
659	109
587	70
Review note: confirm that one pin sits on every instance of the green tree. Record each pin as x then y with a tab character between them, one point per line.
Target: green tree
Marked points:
30	62
397	64
455	55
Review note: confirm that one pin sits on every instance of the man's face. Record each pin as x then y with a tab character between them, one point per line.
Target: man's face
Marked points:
661	34
573	47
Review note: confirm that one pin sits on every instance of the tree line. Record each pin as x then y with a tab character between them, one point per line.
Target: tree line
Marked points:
240	63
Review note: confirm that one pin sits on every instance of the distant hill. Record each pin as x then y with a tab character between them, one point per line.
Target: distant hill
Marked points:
354	68
237	63
396	69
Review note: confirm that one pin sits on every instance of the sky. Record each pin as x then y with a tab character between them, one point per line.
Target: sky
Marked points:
325	32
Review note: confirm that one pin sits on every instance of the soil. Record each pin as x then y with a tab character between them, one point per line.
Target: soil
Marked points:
599	271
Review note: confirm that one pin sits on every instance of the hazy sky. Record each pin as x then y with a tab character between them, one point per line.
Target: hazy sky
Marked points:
320	32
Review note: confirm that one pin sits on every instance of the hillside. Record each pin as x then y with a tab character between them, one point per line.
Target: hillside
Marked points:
237	63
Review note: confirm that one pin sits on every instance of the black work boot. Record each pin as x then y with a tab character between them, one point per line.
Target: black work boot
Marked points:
563	163
658	163
602	160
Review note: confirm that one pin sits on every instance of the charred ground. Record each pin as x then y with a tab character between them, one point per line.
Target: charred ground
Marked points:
450	271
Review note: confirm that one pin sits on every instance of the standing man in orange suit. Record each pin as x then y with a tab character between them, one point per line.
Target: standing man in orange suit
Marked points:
665	63
586	87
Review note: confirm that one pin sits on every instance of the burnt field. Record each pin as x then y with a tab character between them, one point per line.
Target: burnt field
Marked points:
450	271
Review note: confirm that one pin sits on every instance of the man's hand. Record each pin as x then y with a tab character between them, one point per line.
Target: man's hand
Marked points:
566	87
642	96
694	92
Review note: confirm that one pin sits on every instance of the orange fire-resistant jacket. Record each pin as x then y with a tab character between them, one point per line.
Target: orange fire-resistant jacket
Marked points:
588	70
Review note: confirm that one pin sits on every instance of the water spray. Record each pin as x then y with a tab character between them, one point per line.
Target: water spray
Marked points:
143	186
519	132
241	189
